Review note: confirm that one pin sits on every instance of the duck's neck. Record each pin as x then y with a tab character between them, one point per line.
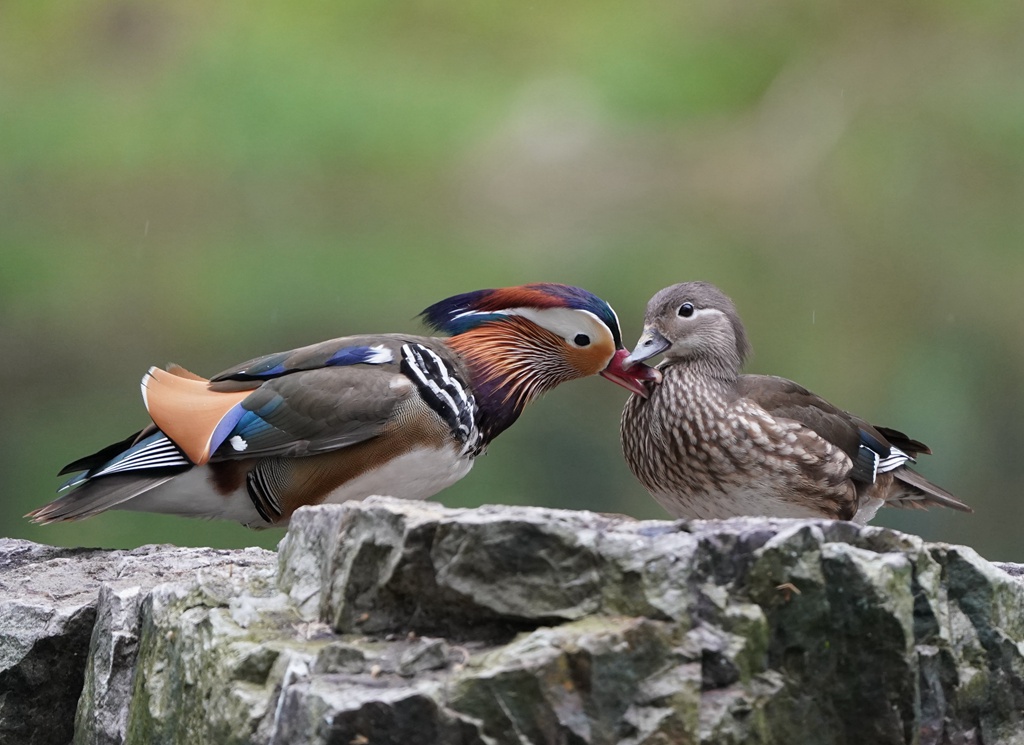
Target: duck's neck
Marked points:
701	382
722	371
510	364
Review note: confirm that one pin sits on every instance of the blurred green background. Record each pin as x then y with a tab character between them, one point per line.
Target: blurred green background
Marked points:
206	182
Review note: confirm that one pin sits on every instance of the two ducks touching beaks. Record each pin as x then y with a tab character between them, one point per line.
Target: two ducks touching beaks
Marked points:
405	416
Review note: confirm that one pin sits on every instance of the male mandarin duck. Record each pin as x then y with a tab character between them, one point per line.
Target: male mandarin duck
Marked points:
392	414
709	442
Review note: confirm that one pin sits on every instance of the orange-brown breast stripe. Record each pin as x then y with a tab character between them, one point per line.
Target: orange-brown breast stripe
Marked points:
312	478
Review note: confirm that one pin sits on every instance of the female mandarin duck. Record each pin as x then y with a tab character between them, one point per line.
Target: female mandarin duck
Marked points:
711	443
388	414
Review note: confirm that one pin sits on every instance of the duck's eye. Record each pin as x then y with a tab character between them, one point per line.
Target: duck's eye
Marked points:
686	310
581	340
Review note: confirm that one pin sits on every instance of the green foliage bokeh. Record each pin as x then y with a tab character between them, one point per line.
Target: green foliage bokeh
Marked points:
203	183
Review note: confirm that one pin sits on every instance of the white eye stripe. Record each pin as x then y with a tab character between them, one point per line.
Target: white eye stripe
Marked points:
566	322
705	312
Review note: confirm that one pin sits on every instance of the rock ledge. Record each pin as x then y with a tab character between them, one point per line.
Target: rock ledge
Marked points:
396	622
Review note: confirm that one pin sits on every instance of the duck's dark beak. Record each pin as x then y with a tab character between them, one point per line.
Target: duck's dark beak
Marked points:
632	377
650	344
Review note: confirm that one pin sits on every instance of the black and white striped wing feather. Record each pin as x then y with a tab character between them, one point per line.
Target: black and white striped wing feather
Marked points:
156	451
442	390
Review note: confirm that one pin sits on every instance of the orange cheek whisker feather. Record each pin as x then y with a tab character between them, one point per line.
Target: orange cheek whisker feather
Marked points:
527	373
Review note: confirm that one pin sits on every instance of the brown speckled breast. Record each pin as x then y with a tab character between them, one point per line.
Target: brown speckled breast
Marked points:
702	452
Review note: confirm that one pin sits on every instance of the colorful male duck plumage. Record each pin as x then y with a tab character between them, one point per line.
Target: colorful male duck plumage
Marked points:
393	414
709	442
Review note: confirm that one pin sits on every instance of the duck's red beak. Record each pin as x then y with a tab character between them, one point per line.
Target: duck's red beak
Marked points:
633	378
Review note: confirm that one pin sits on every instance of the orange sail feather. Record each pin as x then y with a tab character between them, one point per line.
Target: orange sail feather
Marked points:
182	405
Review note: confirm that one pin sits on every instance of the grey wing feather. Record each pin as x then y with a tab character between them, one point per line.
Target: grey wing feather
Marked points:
320	398
932	492
784	398
310	357
316	411
98	496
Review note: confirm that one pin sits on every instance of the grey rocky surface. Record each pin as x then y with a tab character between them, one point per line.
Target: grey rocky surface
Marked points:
398	622
70	620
